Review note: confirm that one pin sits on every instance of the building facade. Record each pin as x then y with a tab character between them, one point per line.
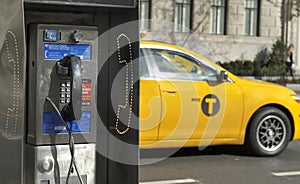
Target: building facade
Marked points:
223	30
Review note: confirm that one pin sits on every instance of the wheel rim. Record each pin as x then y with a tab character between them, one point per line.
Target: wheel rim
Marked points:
271	133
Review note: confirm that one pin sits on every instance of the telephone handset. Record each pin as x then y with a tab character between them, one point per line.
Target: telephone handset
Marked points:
128	84
71	66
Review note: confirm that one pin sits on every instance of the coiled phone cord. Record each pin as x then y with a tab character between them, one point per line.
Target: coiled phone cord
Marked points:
71	145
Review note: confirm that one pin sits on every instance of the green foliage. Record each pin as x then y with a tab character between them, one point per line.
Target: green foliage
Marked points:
248	68
277	55
258	65
276	62
244	68
273	66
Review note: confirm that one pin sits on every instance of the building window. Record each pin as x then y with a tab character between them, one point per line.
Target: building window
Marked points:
145	13
218	17
251	17
182	21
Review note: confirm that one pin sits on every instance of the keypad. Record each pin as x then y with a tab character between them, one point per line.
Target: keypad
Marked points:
65	92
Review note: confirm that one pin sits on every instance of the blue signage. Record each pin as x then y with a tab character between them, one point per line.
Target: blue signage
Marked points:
52	124
55	51
50	35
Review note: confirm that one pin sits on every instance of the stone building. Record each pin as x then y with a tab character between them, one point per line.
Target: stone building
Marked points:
223	30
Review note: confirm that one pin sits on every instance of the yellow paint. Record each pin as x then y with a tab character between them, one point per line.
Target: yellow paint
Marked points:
210	102
172	116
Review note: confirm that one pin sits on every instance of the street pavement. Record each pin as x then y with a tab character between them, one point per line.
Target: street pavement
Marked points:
220	165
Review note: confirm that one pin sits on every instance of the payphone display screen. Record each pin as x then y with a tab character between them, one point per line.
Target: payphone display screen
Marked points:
55	51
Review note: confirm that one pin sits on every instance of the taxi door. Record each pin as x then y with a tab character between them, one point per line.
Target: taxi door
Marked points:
194	101
150	102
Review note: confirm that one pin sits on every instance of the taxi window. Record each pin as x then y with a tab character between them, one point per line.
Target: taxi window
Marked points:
143	69
175	65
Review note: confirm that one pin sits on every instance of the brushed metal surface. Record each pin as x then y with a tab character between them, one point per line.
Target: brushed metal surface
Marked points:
60	156
12	92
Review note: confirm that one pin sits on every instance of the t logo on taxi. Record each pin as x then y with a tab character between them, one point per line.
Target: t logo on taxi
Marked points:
210	105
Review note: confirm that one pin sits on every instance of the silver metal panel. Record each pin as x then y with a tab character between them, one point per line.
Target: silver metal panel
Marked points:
57	158
12	93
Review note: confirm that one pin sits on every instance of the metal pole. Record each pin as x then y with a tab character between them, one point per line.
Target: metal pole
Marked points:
287	19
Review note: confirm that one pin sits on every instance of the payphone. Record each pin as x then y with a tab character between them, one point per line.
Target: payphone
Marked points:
61	128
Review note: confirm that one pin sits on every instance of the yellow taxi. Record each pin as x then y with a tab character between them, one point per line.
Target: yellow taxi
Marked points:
187	100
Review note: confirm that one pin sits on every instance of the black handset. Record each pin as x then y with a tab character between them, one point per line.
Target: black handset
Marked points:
71	66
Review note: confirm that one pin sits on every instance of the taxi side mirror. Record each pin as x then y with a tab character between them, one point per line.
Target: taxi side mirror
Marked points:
224	75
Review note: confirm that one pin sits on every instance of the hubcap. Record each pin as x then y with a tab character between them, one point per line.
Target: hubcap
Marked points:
271	133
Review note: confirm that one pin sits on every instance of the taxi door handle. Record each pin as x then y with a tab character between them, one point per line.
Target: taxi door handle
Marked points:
170	91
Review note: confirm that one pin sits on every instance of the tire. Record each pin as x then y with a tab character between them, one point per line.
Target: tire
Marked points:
269	132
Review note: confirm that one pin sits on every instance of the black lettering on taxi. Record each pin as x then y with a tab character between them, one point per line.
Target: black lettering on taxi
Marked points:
196	100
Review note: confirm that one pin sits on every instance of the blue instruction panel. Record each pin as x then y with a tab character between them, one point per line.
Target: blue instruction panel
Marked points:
52	124
57	51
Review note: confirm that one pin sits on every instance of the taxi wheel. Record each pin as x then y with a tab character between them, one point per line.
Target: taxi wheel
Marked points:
269	132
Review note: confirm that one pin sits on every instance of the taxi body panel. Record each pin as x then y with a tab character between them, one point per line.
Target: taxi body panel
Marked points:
259	94
186	110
